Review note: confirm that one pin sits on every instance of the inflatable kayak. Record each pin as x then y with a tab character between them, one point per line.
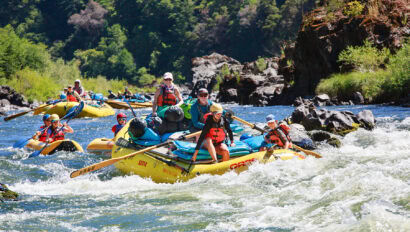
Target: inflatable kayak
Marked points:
101	146
118	104
89	110
163	167
60	145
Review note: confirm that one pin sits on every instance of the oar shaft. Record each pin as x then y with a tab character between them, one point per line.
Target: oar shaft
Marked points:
109	162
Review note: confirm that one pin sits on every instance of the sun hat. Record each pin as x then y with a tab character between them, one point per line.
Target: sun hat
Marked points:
270	118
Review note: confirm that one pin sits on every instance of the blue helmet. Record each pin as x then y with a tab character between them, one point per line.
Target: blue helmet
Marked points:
63	96
46	116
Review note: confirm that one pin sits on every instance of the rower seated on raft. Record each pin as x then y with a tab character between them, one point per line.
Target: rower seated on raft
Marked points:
278	135
214	133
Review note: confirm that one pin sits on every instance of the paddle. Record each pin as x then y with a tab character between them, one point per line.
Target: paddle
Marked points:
253	126
132	110
23	142
72	113
25	112
109	162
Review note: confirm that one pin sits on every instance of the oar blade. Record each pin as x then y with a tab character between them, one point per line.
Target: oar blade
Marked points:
21	143
93	167
35	154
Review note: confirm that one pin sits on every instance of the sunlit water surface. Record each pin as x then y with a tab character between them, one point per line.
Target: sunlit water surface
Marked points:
362	186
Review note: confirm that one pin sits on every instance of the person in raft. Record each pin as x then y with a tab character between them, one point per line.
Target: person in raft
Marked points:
167	94
214	133
127	93
57	129
72	95
122	120
41	135
199	109
277	135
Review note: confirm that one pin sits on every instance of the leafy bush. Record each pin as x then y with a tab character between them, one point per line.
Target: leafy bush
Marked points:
144	77
102	85
260	64
343	86
364	58
379	86
33	85
353	9
397	84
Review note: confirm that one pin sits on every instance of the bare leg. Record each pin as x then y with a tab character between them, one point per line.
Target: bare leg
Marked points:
211	148
222	150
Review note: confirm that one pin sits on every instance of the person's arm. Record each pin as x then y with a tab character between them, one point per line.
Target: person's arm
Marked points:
229	130
195	116
154	103
178	95
77	96
67	128
205	130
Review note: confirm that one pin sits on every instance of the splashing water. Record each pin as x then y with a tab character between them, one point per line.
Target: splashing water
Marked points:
362	186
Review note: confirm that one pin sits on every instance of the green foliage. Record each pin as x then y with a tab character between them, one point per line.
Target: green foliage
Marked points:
225	70
33	85
398	83
102	85
344	85
364	58
17	54
353	8
144	77
378	86
261	64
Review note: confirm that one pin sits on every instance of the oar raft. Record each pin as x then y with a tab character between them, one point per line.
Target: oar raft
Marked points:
59	145
164	167
89	110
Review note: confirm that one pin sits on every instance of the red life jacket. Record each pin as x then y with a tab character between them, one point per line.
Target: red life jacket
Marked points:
43	135
117	128
71	97
280	135
57	136
217	132
167	96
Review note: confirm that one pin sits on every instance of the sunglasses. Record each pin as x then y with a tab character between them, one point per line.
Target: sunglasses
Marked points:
203	95
122	119
167	79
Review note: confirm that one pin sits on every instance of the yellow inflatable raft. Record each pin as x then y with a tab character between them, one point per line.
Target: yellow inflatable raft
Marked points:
101	146
92	111
163	168
60	145
123	105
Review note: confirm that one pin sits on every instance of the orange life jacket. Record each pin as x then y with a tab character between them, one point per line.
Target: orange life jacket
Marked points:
71	97
167	96
217	132
279	135
57	136
43	135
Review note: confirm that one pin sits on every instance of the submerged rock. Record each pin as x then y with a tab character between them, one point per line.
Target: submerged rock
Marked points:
7	194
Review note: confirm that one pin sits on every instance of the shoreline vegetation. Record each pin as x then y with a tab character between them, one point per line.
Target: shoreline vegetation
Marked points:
377	74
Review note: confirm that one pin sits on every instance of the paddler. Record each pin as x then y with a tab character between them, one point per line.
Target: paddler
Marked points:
199	109
277	135
167	94
72	95
122	120
57	129
41	134
214	133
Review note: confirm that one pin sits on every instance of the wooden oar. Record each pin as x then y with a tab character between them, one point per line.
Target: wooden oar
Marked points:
109	162
253	126
25	112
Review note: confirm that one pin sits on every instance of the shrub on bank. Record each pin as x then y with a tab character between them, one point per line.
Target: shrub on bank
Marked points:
376	85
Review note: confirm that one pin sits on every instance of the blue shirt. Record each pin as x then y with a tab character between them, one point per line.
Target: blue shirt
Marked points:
196	115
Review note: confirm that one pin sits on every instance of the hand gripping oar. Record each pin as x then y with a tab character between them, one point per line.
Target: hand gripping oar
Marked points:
25	112
72	113
23	142
109	162
253	126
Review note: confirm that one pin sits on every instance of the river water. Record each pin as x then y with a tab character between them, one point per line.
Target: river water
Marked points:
362	186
